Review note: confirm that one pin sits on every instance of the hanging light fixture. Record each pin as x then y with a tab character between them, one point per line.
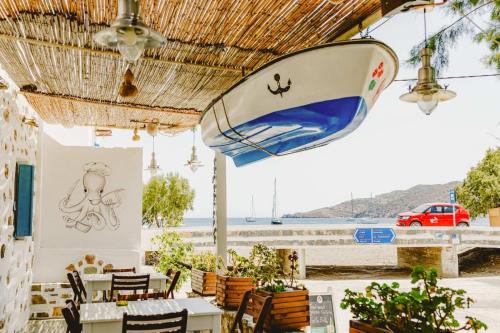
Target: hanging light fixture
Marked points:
427	93
153	167
129	33
136	136
193	163
152	126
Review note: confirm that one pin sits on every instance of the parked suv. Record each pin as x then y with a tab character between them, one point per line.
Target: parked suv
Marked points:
434	215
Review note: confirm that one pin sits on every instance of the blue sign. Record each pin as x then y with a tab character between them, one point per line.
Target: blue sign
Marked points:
374	235
363	235
453	196
383	235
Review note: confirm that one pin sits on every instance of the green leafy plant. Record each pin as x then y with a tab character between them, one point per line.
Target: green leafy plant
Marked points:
165	199
487	32
426	308
204	261
267	267
173	252
237	265
480	190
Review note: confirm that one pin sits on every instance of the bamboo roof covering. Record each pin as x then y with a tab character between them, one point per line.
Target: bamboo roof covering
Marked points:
46	47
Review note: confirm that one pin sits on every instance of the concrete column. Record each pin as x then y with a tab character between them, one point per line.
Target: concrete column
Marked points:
221	208
449	262
444	259
302	263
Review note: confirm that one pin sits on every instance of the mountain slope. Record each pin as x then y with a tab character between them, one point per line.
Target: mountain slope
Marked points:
385	205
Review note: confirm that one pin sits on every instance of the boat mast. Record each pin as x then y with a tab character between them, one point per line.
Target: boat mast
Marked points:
352	205
274	200
253	209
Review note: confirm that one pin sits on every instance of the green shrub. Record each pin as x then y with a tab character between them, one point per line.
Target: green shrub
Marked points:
204	261
426	308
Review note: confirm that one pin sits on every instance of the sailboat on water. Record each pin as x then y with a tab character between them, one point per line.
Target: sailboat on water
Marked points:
251	218
275	219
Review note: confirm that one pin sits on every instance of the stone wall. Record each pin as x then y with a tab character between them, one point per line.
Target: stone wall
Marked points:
18	143
444	259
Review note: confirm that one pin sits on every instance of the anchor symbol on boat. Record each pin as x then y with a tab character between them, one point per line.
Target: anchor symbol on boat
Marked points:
279	90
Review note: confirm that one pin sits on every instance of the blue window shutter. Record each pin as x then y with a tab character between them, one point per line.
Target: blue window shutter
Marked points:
24	200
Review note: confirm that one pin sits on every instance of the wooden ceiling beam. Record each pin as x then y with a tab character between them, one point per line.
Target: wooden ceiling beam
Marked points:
141	107
117	54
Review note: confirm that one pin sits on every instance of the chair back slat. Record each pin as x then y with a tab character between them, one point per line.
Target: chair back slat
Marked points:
171	322
173	284
129	282
119	270
72	317
265	309
238	318
77	294
79	283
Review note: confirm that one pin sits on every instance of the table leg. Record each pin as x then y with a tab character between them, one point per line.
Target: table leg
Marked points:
90	291
216	326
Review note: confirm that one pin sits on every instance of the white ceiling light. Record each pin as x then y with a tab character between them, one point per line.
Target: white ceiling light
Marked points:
128	32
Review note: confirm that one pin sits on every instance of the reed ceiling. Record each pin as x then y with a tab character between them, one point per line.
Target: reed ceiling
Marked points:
48	44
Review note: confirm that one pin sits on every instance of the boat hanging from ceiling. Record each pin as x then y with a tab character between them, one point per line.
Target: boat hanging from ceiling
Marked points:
299	101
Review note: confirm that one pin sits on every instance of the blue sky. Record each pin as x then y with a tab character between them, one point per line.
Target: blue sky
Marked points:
395	148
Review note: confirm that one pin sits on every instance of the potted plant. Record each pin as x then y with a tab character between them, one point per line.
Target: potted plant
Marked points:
427	307
237	279
290	301
480	192
203	278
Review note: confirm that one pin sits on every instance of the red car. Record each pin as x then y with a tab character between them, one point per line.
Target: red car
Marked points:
434	215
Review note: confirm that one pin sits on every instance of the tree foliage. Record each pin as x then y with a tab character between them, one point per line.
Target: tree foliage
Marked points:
165	199
480	190
446	38
173	253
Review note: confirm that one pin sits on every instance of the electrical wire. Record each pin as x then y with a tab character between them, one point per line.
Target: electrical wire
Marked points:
454	77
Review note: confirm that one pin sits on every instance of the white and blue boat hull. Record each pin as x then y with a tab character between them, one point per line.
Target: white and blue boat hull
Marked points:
300	101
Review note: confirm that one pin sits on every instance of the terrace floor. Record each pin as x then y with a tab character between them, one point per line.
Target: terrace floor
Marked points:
484	290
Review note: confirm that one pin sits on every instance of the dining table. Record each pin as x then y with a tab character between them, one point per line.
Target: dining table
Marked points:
95	282
108	317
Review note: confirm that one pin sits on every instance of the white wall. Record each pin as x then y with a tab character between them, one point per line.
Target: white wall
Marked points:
75	223
18	143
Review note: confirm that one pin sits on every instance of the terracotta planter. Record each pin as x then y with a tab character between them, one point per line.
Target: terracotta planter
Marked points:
230	290
289	310
494	215
203	283
356	326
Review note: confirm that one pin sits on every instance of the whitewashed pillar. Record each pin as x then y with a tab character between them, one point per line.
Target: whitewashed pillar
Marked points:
221	208
302	263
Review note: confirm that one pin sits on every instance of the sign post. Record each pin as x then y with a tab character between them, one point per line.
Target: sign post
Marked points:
453	200
374	235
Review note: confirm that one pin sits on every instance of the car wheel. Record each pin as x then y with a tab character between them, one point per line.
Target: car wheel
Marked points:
415	224
463	225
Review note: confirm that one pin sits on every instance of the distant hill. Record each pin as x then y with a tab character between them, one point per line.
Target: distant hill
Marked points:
384	205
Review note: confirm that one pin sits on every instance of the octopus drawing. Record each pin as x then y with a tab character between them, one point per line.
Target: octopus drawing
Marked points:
96	209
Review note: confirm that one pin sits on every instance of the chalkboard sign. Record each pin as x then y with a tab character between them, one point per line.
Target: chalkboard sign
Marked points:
322	313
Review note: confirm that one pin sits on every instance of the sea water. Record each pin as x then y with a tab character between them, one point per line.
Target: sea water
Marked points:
205	222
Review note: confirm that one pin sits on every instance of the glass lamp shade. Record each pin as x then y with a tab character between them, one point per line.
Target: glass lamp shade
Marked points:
427	103
193	163
128	33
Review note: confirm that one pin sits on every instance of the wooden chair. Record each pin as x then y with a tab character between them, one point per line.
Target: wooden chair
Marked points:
173	284
264	312
129	282
175	322
265	309
72	317
79	283
118	270
77	294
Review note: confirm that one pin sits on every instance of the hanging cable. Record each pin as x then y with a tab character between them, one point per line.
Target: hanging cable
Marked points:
454	77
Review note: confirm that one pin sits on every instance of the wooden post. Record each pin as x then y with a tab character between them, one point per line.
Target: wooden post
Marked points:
221	208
